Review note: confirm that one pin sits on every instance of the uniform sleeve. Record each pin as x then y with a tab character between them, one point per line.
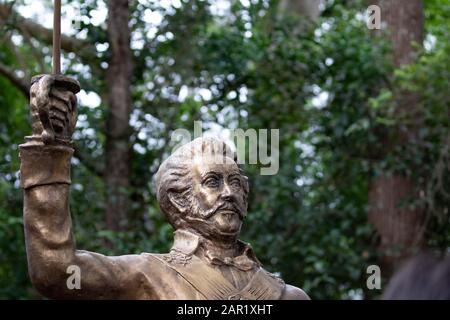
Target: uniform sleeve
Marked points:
53	260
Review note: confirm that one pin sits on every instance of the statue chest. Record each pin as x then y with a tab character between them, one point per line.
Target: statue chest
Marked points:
182	277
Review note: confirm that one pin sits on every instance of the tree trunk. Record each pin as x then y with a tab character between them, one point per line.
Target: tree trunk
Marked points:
306	8
117	148
400	226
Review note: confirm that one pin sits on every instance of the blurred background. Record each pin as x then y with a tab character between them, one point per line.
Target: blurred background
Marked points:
364	120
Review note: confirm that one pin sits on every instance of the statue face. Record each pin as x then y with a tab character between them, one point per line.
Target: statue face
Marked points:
217	196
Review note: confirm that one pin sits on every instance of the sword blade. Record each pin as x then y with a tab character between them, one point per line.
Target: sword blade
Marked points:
56	66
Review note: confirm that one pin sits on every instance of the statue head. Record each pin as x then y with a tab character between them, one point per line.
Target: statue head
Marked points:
201	188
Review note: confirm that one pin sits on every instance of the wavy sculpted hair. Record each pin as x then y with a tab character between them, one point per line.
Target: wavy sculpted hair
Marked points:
174	174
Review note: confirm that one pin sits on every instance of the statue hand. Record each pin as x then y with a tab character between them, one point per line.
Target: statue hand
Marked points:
53	108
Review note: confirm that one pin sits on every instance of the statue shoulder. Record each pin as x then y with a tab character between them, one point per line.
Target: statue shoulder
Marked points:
294	293
172	258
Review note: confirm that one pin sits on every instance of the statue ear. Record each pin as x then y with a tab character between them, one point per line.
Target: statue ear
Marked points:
178	200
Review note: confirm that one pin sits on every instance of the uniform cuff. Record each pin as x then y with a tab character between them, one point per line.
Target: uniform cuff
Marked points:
44	164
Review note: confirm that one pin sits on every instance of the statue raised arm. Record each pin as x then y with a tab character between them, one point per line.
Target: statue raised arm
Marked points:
45	178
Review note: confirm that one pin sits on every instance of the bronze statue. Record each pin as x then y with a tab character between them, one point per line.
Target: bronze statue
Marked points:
200	189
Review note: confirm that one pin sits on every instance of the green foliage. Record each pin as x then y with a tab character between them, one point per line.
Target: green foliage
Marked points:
14	126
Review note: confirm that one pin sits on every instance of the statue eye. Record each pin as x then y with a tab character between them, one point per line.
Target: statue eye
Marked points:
211	182
235	183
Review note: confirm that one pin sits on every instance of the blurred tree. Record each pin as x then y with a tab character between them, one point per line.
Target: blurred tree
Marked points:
400	224
117	129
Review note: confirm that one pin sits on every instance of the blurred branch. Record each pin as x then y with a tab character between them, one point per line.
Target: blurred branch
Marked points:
37	55
85	50
86	159
20	59
21	83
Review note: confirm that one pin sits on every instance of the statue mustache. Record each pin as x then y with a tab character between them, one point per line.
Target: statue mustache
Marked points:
227	205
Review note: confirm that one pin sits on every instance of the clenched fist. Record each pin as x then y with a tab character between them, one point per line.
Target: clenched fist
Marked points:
53	108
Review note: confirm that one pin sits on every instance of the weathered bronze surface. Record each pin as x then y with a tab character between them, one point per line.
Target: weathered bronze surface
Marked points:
200	189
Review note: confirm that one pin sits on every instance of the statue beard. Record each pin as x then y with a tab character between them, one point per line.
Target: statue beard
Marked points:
199	220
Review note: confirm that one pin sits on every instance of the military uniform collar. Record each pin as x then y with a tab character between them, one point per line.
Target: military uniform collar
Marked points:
187	242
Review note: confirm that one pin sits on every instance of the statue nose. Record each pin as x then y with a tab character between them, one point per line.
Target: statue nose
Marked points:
226	192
